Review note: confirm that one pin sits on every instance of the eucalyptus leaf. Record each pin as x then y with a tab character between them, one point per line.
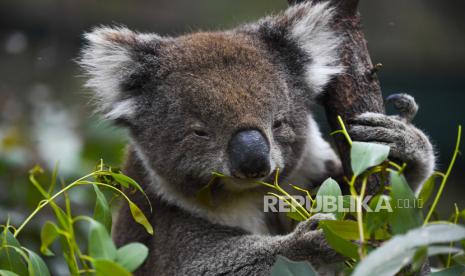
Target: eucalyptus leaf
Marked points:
285	267
36	266
126	181
330	188
348	229
406	212
204	196
48	235
140	218
460	259
462	215
423	252
439	250
61	216
7	273
427	189
419	258
101	245
366	155
400	250
293	214
375	220
339	244
107	267
10	258
131	256
102	212
451	271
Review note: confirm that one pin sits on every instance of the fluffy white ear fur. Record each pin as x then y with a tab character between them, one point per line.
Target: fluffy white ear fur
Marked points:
309	25
313	33
107	60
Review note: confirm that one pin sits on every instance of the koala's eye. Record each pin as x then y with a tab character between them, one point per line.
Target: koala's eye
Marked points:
277	124
198	129
200	133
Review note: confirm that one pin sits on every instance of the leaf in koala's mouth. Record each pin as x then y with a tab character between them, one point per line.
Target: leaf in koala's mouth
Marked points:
204	195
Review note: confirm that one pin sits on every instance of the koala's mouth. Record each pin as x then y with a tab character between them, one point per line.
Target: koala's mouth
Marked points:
232	183
238	184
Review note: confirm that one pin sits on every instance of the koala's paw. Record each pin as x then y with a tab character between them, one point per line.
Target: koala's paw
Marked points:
310	226
408	144
307	242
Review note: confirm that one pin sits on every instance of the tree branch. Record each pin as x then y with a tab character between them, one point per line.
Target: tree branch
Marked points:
358	89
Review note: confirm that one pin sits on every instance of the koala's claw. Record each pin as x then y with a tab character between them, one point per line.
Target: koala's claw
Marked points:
405	105
408	143
306	241
312	223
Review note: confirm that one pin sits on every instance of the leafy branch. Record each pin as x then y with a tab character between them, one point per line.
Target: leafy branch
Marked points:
102	255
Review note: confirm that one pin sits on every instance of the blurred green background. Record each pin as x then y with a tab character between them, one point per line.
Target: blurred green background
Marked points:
45	116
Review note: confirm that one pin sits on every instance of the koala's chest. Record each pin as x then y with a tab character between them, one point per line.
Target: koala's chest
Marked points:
248	216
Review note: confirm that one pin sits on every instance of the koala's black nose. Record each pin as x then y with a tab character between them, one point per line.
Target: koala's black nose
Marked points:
249	154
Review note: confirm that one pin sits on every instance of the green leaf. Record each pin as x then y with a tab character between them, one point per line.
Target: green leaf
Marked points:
48	235
460	259
10	258
101	245
204	195
451	271
126	181
406	213
36	266
132	255
427	189
366	155
102	212
70	261
348	229
339	244
285	267
462	214
400	250
107	267
7	273
419	258
140	218
375	220
330	188
61	216
293	214
440	250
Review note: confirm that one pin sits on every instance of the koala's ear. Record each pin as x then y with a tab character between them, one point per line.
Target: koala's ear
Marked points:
116	62
302	38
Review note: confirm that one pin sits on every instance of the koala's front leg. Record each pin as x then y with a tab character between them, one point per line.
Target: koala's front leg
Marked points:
223	254
306	242
408	143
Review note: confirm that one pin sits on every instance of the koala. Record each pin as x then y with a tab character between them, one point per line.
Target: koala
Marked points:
238	102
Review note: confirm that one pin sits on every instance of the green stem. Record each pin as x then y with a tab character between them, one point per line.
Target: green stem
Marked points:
456	219
290	204
42	204
293	203
359	199
344	130
360	217
446	176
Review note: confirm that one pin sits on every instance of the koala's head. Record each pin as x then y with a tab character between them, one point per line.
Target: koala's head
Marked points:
235	102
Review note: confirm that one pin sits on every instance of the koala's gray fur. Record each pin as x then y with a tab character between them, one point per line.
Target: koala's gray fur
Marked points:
182	98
